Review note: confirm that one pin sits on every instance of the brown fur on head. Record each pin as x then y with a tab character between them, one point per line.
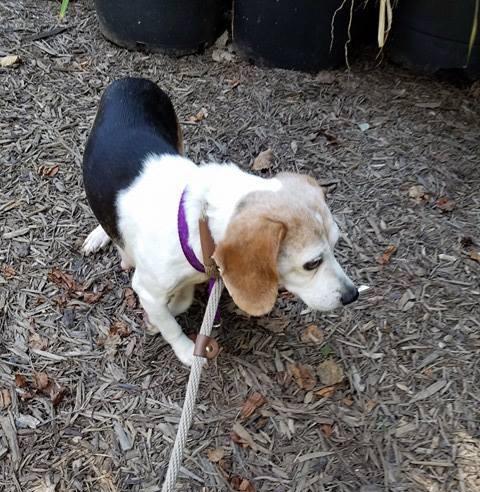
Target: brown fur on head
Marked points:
269	239
247	260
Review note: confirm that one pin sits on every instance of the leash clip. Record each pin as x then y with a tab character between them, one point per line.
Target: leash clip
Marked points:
206	347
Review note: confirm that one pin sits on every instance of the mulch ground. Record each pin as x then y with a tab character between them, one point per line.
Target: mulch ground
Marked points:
382	396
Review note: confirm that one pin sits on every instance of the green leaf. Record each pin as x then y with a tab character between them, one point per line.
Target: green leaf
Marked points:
63	8
326	350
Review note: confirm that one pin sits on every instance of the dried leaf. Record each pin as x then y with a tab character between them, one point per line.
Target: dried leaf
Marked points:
201	115
327	430
348	402
74	289
312	334
35	341
215	454
91	297
48	171
63	279
474	255
222	40
330	372
8	272
41	380
246	486
56	393
325	77
219	55
303	376
445	204
263	161
241	484
386	256
119	328
20	381
9	60
326	392
241	436
5	399
370	405
418	193
254	401
130	298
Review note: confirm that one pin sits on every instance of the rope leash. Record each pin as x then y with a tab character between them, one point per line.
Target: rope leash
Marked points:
191	393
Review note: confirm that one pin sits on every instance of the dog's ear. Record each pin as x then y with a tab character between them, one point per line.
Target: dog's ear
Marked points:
247	259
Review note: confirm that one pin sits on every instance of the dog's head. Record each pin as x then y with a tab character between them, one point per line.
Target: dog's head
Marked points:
283	238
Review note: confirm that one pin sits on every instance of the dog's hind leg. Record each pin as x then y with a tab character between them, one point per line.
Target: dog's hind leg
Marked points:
95	241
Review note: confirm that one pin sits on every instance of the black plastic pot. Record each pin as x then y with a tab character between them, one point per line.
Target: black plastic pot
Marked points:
176	27
293	34
433	35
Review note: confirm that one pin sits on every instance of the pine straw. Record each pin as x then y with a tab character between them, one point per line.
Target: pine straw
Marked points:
406	416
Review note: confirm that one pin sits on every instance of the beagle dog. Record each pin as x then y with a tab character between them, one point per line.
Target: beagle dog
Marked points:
148	199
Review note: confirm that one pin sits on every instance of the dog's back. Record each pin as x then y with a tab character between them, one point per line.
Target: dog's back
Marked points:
135	119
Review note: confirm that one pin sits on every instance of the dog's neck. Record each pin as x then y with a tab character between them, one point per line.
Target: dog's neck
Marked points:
215	192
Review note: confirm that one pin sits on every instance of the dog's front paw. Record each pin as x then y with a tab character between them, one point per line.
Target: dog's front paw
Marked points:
95	241
184	351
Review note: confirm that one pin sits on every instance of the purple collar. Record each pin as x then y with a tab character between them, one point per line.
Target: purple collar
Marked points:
183	235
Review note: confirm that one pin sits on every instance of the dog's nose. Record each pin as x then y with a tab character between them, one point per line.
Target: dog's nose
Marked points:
349	296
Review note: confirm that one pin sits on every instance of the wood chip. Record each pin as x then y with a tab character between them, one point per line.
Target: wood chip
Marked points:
241	436
130	298
5	399
430	391
10	434
124	440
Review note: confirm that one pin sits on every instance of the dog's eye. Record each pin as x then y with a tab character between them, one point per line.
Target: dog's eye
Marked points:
313	265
